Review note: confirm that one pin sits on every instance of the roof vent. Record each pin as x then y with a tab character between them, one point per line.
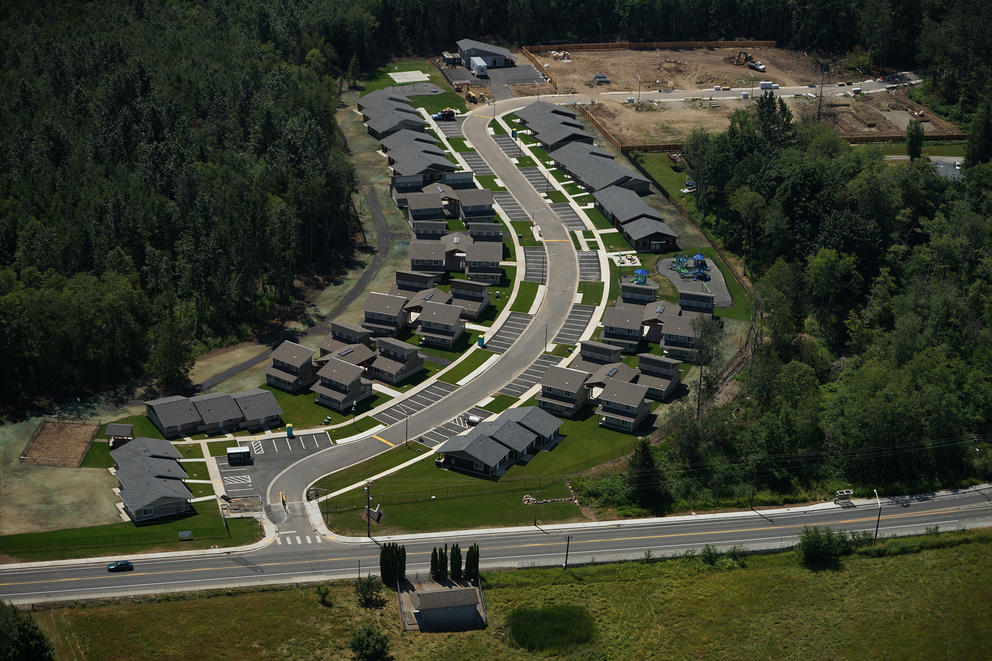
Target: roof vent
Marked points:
613	371
456	240
429	296
346	351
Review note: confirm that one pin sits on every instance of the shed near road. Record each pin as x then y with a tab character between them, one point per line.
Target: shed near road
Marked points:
493	56
446	609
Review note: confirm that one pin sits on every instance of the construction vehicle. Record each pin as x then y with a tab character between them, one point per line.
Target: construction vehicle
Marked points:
742	58
470	97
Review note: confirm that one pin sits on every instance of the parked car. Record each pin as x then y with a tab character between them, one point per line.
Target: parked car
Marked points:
120	565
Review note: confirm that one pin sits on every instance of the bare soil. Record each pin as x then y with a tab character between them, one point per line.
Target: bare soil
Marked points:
60	444
664	122
882	114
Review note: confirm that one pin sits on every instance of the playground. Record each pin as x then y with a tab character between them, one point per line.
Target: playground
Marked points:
695	274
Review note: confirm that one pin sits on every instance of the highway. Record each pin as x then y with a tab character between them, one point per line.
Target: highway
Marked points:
526	547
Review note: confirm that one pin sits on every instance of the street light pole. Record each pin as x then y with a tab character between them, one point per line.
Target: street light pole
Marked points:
568	541
878	519
368	509
638	87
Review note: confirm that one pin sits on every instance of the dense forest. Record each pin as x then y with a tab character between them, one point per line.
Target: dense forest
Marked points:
873	366
168	169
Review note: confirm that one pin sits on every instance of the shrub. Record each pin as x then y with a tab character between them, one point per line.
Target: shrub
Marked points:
821	548
369	592
369	644
709	555
554	628
324	595
737	553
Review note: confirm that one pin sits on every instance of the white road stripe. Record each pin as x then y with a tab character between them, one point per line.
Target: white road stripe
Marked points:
289	540
308	539
320	540
278	539
298	541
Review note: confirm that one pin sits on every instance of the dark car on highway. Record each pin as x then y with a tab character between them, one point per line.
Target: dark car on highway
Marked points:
120	565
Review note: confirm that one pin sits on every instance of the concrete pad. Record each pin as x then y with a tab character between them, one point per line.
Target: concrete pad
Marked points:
409	76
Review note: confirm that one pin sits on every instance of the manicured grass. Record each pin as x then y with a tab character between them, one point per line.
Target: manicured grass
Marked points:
471	362
540	154
205	522
615	242
525	297
592	292
558	175
743	307
430	102
525	162
659	167
377	464
429	370
509	250
770	609
556	196
525	235
497	127
219	448
466	340
561	350
301	411
500	403
196	470
456	225
584	199
598	219
614	283
98	456
143	427
488	181
459	144
199	489
575	240
553	628
527	138
573	188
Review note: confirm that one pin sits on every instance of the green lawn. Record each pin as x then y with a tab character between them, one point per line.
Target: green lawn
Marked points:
500	403
98	456
525	162
931	606
561	350
205	522
575	240
466	366
614	283
527	138
430	368
143	427
599	221
659	166
525	297
196	470
615	242
574	188
430	102
456	225
377	464
466	340
488	181
497	127
525	235
509	250
540	154
463	501
556	196
558	175
459	144
301	411
219	448
587	198
199	490
592	292
743	307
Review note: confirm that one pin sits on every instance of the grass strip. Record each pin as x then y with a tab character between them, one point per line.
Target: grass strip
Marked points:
525	297
143	427
592	292
615	242
500	403
525	235
469	364
373	466
98	456
599	221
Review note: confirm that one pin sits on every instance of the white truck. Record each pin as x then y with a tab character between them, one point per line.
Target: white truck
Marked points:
479	68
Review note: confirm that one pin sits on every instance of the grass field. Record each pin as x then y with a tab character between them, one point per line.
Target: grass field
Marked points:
143	427
592	292
205	522
556	197
615	242
98	456
471	363
196	470
525	297
598	219
458	144
500	403
377	464
301	411
430	102
659	166
926	605
525	162
488	181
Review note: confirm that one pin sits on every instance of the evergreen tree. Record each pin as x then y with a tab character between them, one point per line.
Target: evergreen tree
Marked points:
456	562
642	473
353	71
979	148
369	644
434	562
472	563
20	637
914	139
442	564
401	564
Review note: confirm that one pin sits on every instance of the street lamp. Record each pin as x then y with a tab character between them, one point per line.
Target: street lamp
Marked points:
878	519
368	509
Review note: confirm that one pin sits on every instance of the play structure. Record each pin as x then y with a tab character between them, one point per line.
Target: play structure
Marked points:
694	267
640	277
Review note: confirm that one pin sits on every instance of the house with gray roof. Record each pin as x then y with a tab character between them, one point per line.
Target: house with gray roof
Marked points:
427	257
493	56
596	168
542	109
474	452
355	354
447	609
440	324
485	230
631	292
540	422
219	413
475	205
697	301
259	407
150	479
343	334
292	368
563	391
482	262
592	351
387	112
432	295
518	438
341	385
427	230
622	328
621	205
471	296
424	206
384	314
553	126
407	138
119	433
659	373
622	405
412	281
647	234
615	371
679	337
174	416
494	445
395	362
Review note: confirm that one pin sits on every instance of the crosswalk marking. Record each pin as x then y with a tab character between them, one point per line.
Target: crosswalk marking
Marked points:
278	539
298	541
237	479
308	539
320	540
257	447
289	540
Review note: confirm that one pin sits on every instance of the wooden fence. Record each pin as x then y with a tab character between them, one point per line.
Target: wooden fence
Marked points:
599	126
540	67
651	45
898	137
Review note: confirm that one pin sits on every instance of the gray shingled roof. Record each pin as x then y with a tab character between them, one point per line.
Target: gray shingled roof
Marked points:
643	228
385	303
118	429
425	249
477	446
432	295
475	197
650	360
540	109
599	347
257	403
622	392
628	318
467	44
624	204
614	372
145	447
217	407
409	138
533	418
441	313
444	598
678	326
513	435
340	372
398	346
293	354
592	166
469	285
484	251
174	411
424	201
354	354
148	471
564	378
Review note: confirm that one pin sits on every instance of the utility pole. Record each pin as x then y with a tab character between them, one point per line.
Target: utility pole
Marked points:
878	519
819	108
568	541
368	510
638	87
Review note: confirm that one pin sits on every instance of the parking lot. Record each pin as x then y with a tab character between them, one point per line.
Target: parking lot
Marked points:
452	129
531	376
270	455
588	265
510	206
571	220
442	433
508	333
508	145
475	162
416	403
575	324
537	179
536	263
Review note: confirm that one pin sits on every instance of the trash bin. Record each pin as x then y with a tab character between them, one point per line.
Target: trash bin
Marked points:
481	341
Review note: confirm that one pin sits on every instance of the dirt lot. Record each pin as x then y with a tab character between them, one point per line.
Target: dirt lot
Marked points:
679	69
60	444
664	122
885	113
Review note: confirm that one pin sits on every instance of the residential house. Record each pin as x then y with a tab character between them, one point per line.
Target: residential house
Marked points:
485	231
344	334
292	368
150	479
356	354
386	112
646	234
259	408
553	126
475	205
412	281
622	327
440	325
493	56
174	416
596	168
494	445
396	361
621	205
518	438
428	257
598	352
423	207
432	295
384	314
447	609
680	337
542	423
482	262
659	373
219	413
631	292
474	452
341	386
119	433
563	391
612	371
700	301
471	296
622	405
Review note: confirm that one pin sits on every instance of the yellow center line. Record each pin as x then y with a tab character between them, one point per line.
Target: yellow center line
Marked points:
380	438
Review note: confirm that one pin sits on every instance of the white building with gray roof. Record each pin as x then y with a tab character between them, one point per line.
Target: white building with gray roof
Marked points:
150	479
